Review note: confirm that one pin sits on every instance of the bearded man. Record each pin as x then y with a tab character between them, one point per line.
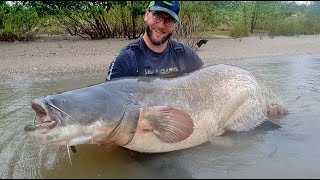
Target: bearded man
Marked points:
156	53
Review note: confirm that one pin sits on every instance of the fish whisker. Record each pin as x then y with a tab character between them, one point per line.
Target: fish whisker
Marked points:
55	107
41	149
55	127
69	152
58	123
34	120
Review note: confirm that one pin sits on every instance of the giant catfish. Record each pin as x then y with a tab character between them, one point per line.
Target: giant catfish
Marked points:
153	114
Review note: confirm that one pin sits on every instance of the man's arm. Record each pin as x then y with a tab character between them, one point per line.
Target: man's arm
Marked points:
193	62
123	65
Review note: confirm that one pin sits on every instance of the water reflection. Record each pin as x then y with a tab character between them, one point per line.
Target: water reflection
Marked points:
289	151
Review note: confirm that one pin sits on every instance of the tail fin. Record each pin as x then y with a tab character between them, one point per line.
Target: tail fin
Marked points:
276	110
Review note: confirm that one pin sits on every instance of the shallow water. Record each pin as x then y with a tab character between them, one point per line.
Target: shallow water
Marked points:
291	151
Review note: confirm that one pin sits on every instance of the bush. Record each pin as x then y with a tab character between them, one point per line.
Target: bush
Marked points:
20	24
294	26
239	30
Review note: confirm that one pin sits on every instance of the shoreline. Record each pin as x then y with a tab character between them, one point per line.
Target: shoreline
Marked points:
58	54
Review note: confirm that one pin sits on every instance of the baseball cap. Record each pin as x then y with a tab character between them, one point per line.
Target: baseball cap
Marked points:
170	7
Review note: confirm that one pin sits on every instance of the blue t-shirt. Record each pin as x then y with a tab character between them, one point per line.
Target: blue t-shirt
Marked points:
136	59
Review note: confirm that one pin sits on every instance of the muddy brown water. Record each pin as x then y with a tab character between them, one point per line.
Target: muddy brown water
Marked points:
289	151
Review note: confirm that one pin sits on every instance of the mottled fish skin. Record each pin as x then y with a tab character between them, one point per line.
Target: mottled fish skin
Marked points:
152	114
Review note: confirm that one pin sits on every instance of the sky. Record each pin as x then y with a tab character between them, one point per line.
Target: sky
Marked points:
302	2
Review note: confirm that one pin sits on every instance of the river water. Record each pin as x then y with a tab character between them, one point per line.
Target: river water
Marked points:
289	151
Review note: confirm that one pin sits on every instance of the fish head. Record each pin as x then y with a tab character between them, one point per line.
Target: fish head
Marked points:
78	117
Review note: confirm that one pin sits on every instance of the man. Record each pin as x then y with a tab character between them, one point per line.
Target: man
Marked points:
156	54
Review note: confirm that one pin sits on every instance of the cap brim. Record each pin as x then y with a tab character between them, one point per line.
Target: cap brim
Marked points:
158	8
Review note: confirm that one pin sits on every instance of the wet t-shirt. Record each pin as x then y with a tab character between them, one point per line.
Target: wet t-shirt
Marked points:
136	59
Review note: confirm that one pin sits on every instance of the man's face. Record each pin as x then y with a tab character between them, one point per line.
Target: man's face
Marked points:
158	32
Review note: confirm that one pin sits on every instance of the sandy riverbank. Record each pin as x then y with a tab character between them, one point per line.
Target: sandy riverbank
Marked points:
57	54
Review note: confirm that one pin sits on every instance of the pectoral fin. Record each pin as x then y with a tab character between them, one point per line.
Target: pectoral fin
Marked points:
171	125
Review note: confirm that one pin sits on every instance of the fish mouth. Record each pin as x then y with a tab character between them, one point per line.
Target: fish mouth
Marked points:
46	118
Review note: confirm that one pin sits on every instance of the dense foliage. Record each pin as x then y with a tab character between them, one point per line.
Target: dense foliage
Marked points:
26	20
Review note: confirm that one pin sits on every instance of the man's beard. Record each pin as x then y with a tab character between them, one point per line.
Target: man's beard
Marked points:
149	33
